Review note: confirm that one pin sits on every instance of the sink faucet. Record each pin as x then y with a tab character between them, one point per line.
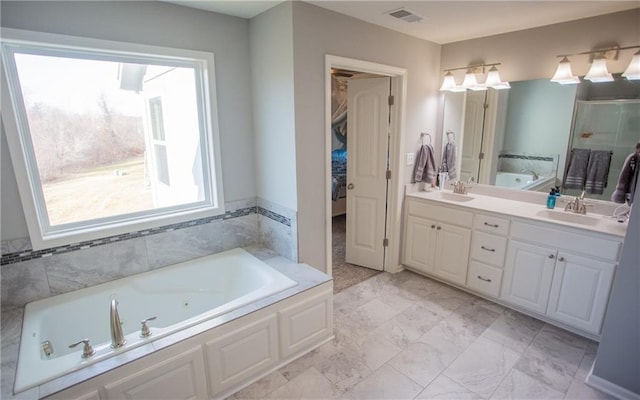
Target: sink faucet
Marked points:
577	205
535	176
459	187
117	337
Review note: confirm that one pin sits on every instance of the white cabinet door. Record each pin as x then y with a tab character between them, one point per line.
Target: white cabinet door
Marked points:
527	276
452	253
420	239
580	291
242	353
179	377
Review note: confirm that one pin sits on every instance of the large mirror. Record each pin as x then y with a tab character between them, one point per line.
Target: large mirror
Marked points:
531	136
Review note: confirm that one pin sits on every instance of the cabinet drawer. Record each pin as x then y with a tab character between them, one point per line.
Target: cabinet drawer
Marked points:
484	278
424	209
491	224
566	240
489	249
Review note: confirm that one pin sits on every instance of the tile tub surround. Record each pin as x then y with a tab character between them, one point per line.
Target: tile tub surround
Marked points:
28	276
460	347
307	277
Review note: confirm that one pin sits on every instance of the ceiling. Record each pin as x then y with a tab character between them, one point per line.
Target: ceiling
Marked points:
443	21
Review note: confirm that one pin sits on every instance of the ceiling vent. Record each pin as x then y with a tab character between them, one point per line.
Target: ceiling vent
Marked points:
405	15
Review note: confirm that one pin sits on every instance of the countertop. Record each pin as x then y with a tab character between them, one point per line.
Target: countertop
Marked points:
592	222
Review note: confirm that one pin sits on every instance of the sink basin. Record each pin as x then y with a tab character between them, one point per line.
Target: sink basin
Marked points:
452	196
569	217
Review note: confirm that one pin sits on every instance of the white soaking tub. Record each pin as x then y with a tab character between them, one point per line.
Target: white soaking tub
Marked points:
179	296
523	181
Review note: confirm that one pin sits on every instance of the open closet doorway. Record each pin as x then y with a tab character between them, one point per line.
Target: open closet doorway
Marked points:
362	121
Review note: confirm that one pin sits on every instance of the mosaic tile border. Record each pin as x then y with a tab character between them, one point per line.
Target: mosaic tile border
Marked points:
274	216
25	255
523	157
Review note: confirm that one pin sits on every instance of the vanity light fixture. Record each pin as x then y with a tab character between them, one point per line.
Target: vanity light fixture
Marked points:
633	70
563	74
598	71
471	81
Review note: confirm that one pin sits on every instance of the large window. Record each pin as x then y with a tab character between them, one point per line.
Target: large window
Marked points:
108	137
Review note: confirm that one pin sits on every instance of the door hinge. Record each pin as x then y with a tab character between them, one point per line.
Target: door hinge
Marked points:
388	176
485	105
391	100
385	242
481	156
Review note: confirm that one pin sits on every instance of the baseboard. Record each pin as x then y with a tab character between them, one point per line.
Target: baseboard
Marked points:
610	388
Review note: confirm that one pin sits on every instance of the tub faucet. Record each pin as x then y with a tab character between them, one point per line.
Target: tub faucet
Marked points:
535	176
117	337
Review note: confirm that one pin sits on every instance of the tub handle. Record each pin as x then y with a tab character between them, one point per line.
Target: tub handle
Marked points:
87	350
145	331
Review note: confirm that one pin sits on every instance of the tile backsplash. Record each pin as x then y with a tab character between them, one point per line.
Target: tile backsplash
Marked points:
29	275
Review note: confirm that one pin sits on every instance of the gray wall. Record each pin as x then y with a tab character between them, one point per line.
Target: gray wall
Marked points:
273	107
158	24
317	32
618	358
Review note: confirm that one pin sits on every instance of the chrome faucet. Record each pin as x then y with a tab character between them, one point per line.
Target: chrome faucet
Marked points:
459	187
117	337
577	205
535	176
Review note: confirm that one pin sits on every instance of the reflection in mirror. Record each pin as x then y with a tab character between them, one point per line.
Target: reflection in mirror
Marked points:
522	138
514	138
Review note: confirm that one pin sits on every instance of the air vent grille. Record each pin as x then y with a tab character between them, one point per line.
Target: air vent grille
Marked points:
405	15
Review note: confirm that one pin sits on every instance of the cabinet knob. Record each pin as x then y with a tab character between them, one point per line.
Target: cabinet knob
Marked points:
551	256
433	226
561	259
438	228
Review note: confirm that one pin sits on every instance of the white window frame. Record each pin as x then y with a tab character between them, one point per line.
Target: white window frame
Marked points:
43	235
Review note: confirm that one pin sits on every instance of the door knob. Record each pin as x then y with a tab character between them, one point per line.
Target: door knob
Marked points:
350	186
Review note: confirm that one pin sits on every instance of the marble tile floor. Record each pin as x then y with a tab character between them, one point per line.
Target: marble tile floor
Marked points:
405	336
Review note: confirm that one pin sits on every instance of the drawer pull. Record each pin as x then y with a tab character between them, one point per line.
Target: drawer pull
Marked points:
484	279
487	249
492	225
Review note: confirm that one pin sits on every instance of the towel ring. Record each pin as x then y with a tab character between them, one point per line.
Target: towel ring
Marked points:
422	135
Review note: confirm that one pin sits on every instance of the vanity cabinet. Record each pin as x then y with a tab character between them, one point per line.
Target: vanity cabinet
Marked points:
527	275
558	282
433	246
488	248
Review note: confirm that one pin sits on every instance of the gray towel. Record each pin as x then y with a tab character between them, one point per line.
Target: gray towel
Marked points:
628	180
425	168
449	160
577	171
597	171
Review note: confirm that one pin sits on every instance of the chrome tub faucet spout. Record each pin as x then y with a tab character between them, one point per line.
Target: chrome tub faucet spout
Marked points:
117	337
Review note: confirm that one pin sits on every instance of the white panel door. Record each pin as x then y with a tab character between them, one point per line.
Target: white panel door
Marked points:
472	135
367	143
580	291
528	273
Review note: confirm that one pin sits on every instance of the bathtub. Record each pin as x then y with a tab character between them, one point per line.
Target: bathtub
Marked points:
523	181
180	296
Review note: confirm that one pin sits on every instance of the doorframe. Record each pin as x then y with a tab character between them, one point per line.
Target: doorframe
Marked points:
396	144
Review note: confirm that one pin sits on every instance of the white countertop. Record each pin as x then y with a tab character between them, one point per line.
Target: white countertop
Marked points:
538	212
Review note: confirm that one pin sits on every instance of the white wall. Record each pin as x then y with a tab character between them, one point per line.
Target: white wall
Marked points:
159	24
317	32
273	106
531	53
